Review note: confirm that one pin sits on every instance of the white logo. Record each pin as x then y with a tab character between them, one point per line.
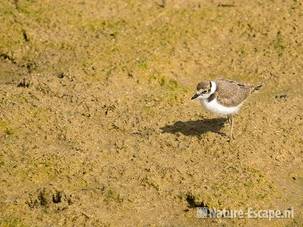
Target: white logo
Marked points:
250	213
202	212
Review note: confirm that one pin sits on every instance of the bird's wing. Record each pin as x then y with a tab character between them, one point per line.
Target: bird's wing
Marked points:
232	93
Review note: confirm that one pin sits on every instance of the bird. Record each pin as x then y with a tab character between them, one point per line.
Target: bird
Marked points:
224	97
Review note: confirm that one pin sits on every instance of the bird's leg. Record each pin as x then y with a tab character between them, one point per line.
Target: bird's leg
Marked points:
228	118
231	119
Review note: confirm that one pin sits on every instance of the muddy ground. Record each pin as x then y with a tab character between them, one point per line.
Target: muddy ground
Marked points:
96	123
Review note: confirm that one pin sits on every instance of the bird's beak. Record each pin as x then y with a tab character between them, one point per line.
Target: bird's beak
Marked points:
195	96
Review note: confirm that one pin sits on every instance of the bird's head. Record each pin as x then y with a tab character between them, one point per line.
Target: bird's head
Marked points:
204	90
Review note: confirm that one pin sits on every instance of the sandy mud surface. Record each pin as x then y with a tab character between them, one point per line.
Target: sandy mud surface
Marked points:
96	123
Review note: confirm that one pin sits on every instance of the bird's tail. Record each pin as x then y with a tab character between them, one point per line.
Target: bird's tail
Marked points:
256	88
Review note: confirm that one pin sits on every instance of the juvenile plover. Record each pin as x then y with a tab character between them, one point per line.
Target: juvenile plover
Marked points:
224	97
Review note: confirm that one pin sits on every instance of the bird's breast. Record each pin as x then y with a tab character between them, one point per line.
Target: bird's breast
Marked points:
215	107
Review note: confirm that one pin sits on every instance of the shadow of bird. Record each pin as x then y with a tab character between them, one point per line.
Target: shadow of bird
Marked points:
195	128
